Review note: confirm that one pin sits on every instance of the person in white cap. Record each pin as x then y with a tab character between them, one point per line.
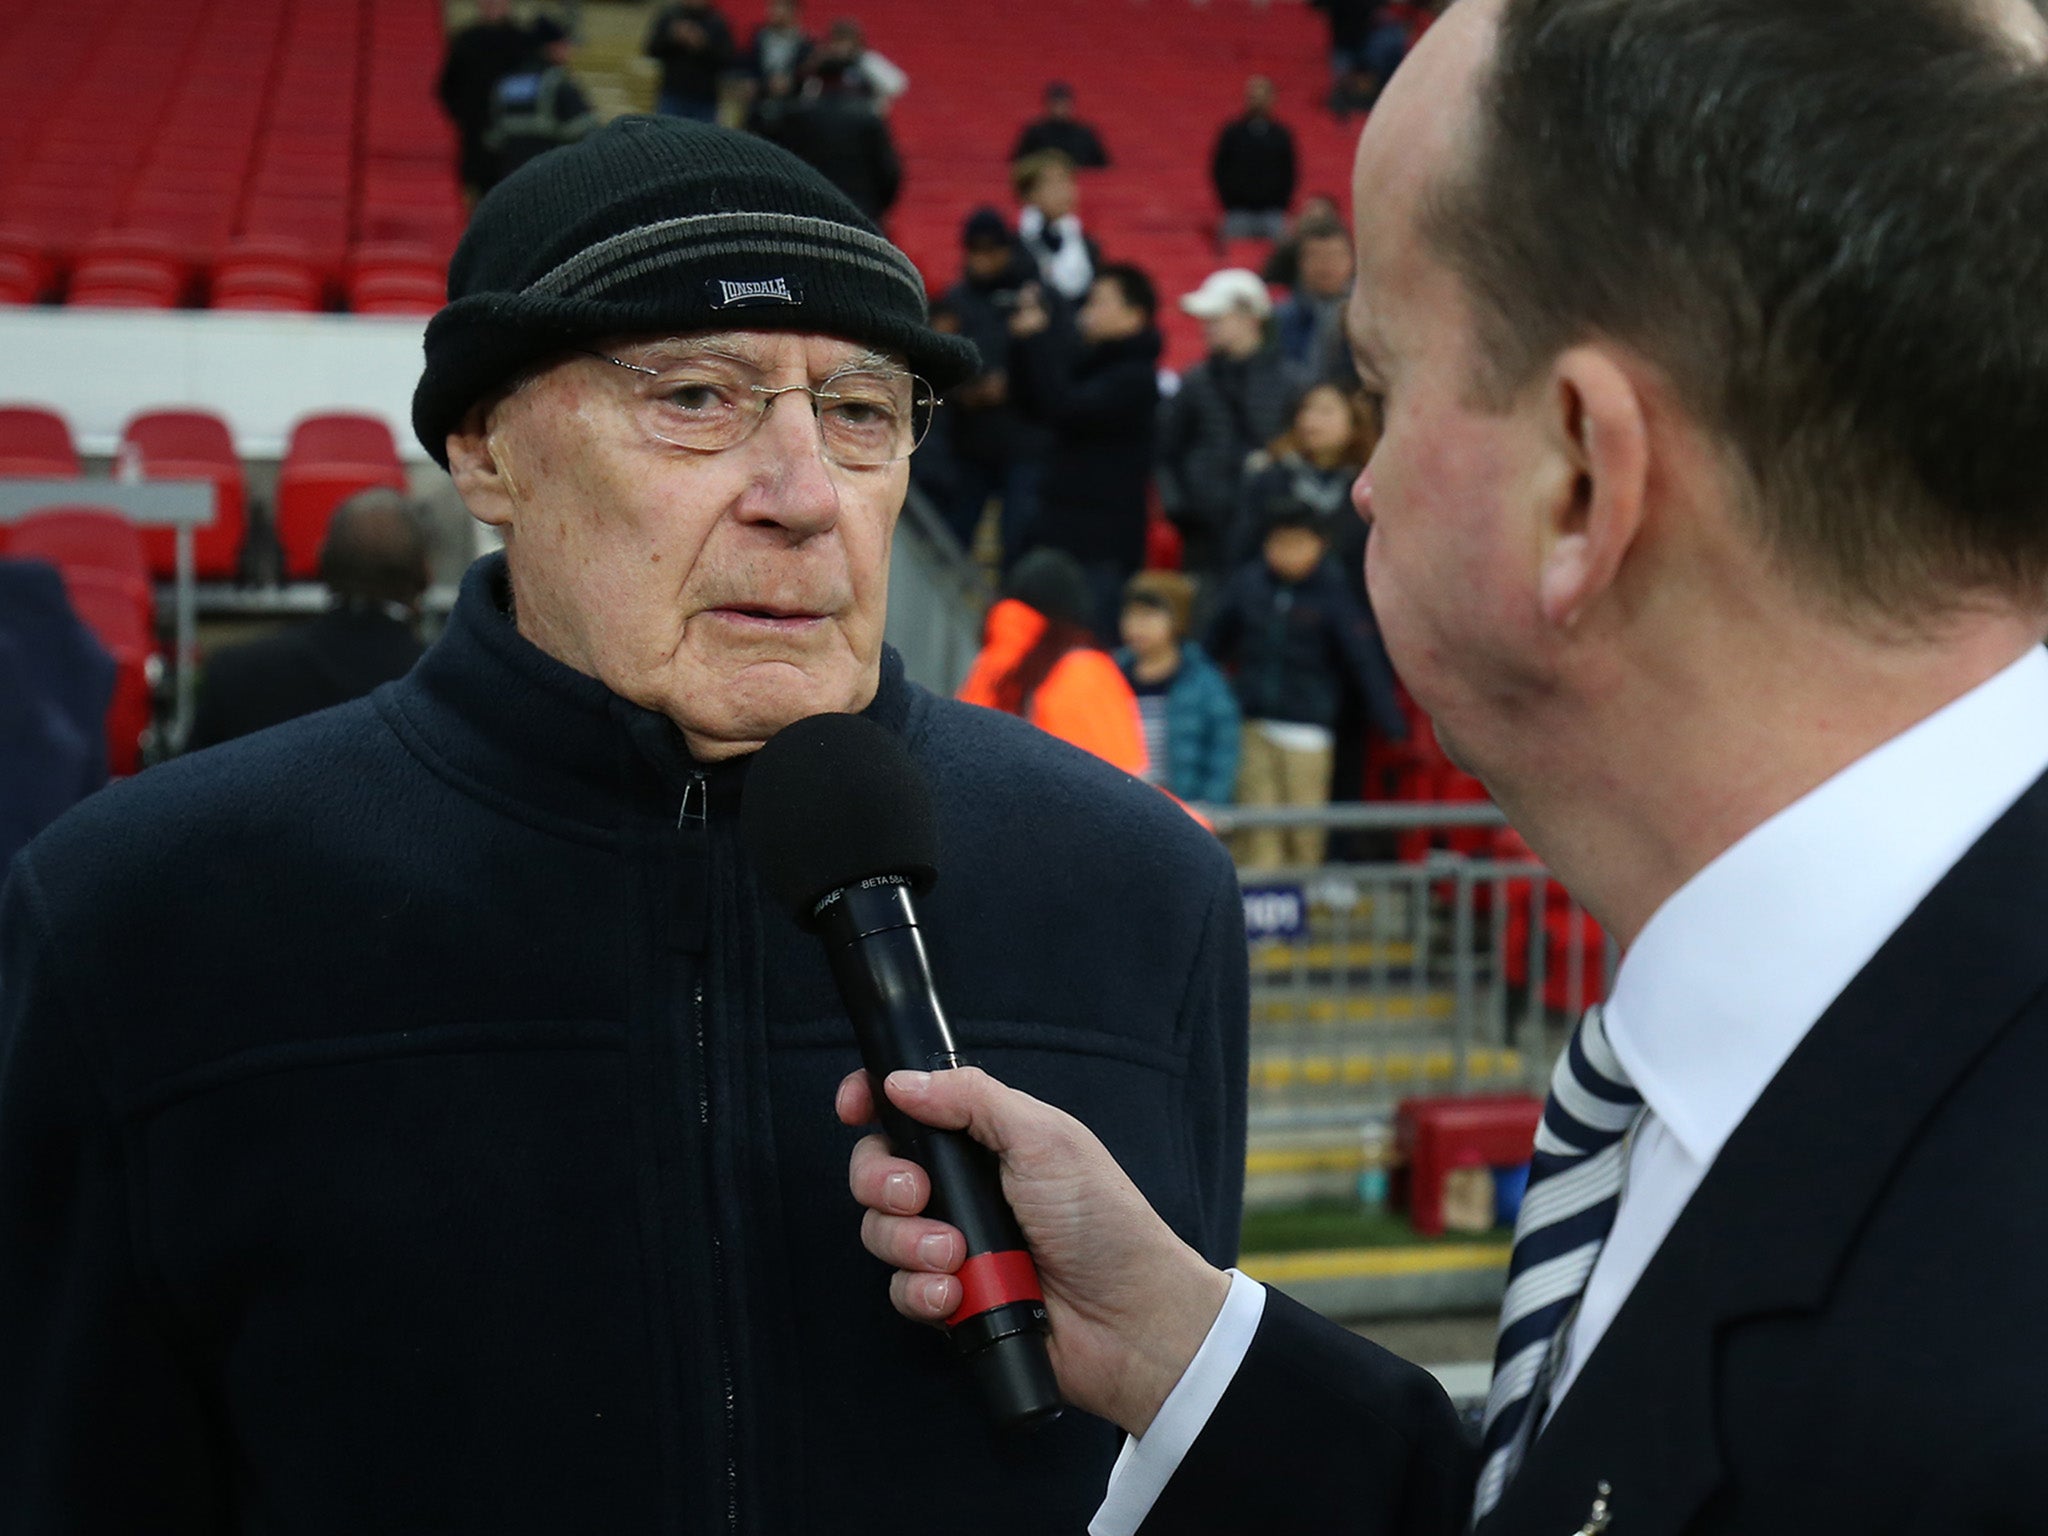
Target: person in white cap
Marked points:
1232	403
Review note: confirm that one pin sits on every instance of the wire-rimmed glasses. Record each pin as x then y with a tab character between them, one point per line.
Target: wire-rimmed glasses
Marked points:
867	417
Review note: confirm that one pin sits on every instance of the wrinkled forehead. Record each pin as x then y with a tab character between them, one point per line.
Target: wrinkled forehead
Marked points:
765	352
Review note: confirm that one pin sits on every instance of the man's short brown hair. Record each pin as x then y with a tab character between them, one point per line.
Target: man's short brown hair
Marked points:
1826	223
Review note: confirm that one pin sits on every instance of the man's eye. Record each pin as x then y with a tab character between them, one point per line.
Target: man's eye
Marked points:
695	398
865	414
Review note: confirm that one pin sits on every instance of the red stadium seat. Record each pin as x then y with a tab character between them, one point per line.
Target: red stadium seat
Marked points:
127	282
25	268
328	460
80	537
193	445
36	444
118	610
267	279
397	290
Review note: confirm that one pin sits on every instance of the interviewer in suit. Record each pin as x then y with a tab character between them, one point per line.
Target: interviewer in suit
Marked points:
1711	526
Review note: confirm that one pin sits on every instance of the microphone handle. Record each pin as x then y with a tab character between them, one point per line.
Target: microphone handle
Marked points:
878	959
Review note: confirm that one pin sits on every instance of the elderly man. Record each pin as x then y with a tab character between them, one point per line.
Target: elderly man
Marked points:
1710	523
463	1162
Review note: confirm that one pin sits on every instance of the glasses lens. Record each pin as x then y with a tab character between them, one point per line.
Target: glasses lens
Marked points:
699	408
871	419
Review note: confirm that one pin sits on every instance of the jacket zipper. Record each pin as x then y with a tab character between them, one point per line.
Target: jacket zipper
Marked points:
695	811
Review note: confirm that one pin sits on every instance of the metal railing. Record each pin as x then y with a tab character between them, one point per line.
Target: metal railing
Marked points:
1451	973
937	597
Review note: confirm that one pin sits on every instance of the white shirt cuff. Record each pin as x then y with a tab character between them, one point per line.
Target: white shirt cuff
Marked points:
1149	1461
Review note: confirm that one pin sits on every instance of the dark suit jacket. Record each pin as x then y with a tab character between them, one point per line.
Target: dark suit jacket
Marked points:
339	656
1845	1331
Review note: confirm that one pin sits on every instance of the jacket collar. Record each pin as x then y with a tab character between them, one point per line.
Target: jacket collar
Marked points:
1144	347
500	717
1843	1109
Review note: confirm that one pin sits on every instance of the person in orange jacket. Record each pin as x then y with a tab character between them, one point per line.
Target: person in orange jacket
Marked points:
1039	660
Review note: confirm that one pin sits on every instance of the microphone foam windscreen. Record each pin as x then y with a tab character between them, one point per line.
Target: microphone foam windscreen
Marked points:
834	800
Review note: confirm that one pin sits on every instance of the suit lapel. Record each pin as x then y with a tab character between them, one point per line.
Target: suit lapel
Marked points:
1776	1215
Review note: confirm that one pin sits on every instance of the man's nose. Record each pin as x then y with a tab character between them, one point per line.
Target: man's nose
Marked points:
795	487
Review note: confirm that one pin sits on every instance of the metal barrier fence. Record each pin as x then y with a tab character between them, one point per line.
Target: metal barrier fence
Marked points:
1458	973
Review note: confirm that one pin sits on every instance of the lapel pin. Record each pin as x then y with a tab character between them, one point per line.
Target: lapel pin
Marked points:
1597	1520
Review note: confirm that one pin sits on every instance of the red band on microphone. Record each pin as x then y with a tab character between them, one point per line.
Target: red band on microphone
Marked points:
990	1280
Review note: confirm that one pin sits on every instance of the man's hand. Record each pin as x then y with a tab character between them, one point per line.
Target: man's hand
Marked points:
1130	1303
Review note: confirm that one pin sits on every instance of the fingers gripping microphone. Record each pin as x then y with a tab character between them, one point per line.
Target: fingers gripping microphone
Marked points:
840	825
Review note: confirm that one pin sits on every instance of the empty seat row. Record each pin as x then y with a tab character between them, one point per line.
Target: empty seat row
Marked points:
140	269
153	153
328	458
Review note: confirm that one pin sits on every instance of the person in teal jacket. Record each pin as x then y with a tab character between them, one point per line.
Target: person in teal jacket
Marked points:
1189	712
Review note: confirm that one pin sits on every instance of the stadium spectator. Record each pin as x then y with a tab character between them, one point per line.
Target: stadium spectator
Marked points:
998	451
1039	661
1309	322
1049	226
1095	385
1396	27
540	107
56	683
868	73
1253	168
1289	633
479	1082
1190	715
692	42
1228	406
479	56
780	48
1060	129
373	563
1313	465
1283	266
833	126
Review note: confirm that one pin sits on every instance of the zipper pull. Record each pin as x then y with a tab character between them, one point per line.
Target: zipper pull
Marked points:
696	803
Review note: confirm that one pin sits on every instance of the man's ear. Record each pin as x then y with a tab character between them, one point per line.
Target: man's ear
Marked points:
476	462
1602	428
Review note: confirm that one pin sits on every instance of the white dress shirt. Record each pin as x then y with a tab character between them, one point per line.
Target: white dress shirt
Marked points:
1717	991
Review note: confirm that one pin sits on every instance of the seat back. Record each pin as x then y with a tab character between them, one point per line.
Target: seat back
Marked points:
192	445
74	537
120	610
36	444
328	460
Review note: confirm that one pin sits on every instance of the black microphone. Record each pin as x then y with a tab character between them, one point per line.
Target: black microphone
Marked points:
840	824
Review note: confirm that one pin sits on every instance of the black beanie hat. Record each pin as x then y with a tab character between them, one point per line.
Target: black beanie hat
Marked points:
1055	583
662	224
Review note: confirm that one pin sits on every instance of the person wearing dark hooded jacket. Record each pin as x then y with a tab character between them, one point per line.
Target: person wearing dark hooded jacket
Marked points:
1290	634
999	451
836	130
1096	387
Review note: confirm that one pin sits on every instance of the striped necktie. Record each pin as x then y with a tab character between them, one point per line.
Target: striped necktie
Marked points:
1574	1190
